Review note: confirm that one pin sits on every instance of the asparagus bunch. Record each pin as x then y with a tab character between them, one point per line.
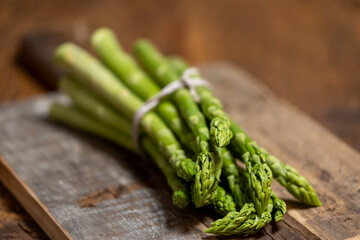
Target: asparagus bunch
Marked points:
105	96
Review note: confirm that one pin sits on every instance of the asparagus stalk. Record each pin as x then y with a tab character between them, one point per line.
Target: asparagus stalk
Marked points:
93	106
205	182
211	107
94	75
75	118
286	175
291	179
121	64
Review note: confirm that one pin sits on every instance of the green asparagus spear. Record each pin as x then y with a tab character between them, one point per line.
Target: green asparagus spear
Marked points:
291	179
78	119
286	175
211	107
223	202
244	221
205	182
94	75
93	106
111	53
230	224
73	117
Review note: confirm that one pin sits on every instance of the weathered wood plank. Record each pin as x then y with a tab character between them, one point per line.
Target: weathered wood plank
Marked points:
70	173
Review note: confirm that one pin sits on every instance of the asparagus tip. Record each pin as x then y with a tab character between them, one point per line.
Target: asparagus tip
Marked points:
180	199
98	36
62	51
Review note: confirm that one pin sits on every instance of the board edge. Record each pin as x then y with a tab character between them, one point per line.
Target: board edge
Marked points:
32	204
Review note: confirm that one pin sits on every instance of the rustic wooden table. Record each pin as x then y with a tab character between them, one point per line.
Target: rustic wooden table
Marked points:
306	51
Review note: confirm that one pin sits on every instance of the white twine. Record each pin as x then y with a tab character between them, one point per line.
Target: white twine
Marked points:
190	79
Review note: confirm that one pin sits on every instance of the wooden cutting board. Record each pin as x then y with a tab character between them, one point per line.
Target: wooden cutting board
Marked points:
77	186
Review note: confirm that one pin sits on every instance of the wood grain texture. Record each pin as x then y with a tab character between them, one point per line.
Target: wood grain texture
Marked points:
97	191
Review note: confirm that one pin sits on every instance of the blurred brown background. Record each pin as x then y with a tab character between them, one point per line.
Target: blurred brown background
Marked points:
306	51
